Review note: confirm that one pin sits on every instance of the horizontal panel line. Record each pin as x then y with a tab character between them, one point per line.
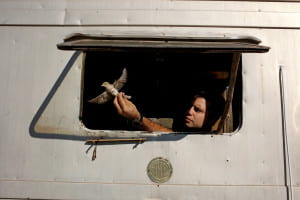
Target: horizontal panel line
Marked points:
149	25
127	183
74	10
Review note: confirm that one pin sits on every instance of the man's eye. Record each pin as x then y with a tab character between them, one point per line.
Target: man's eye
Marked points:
198	110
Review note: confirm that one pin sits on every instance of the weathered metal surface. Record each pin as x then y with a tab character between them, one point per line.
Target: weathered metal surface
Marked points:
246	165
235	166
41	160
199	44
150	13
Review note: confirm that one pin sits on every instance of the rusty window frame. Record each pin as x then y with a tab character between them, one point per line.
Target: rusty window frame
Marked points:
223	44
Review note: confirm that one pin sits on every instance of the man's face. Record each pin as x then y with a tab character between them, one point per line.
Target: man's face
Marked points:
196	114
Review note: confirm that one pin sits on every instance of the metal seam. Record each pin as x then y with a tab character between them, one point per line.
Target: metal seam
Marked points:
287	166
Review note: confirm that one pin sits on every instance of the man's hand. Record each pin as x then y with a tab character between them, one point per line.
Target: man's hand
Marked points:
128	110
125	107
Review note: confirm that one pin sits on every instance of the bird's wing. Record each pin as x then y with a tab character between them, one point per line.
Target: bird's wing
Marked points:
102	98
118	84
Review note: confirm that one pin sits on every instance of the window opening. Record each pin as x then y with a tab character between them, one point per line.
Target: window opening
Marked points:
161	82
163	73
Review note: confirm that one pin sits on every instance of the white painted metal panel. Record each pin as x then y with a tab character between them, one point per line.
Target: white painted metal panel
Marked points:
246	165
291	71
253	158
155	12
148	192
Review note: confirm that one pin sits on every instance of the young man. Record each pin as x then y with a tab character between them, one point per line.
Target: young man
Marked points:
200	115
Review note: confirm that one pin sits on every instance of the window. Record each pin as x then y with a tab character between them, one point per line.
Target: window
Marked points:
162	74
159	82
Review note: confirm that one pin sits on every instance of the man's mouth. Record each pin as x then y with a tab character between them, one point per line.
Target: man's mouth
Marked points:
188	120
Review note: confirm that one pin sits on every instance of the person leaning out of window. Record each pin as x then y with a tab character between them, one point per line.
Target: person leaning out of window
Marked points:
201	114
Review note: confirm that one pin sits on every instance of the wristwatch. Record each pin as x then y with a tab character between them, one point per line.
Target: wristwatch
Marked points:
138	122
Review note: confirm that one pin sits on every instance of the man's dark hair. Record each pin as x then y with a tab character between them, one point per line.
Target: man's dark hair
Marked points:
214	109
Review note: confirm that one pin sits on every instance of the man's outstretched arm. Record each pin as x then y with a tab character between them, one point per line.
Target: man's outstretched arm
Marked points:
128	110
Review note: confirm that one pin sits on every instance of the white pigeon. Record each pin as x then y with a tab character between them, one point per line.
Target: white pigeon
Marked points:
111	90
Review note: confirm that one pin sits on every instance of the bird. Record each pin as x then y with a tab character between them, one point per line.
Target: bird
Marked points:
111	90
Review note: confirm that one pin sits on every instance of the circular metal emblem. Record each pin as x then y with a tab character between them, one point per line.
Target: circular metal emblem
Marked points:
159	170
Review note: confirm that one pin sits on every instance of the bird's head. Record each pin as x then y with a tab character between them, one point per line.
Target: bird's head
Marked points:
105	84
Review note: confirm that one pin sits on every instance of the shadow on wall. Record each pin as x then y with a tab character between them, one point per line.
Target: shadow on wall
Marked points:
56	135
45	103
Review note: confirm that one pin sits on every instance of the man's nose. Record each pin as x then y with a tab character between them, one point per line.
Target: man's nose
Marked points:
190	111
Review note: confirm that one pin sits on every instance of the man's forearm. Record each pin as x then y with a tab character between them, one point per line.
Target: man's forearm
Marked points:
148	125
128	110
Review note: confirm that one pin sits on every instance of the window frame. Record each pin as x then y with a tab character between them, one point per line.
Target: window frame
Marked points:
223	44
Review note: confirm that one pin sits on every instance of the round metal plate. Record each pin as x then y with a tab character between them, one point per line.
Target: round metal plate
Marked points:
159	170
